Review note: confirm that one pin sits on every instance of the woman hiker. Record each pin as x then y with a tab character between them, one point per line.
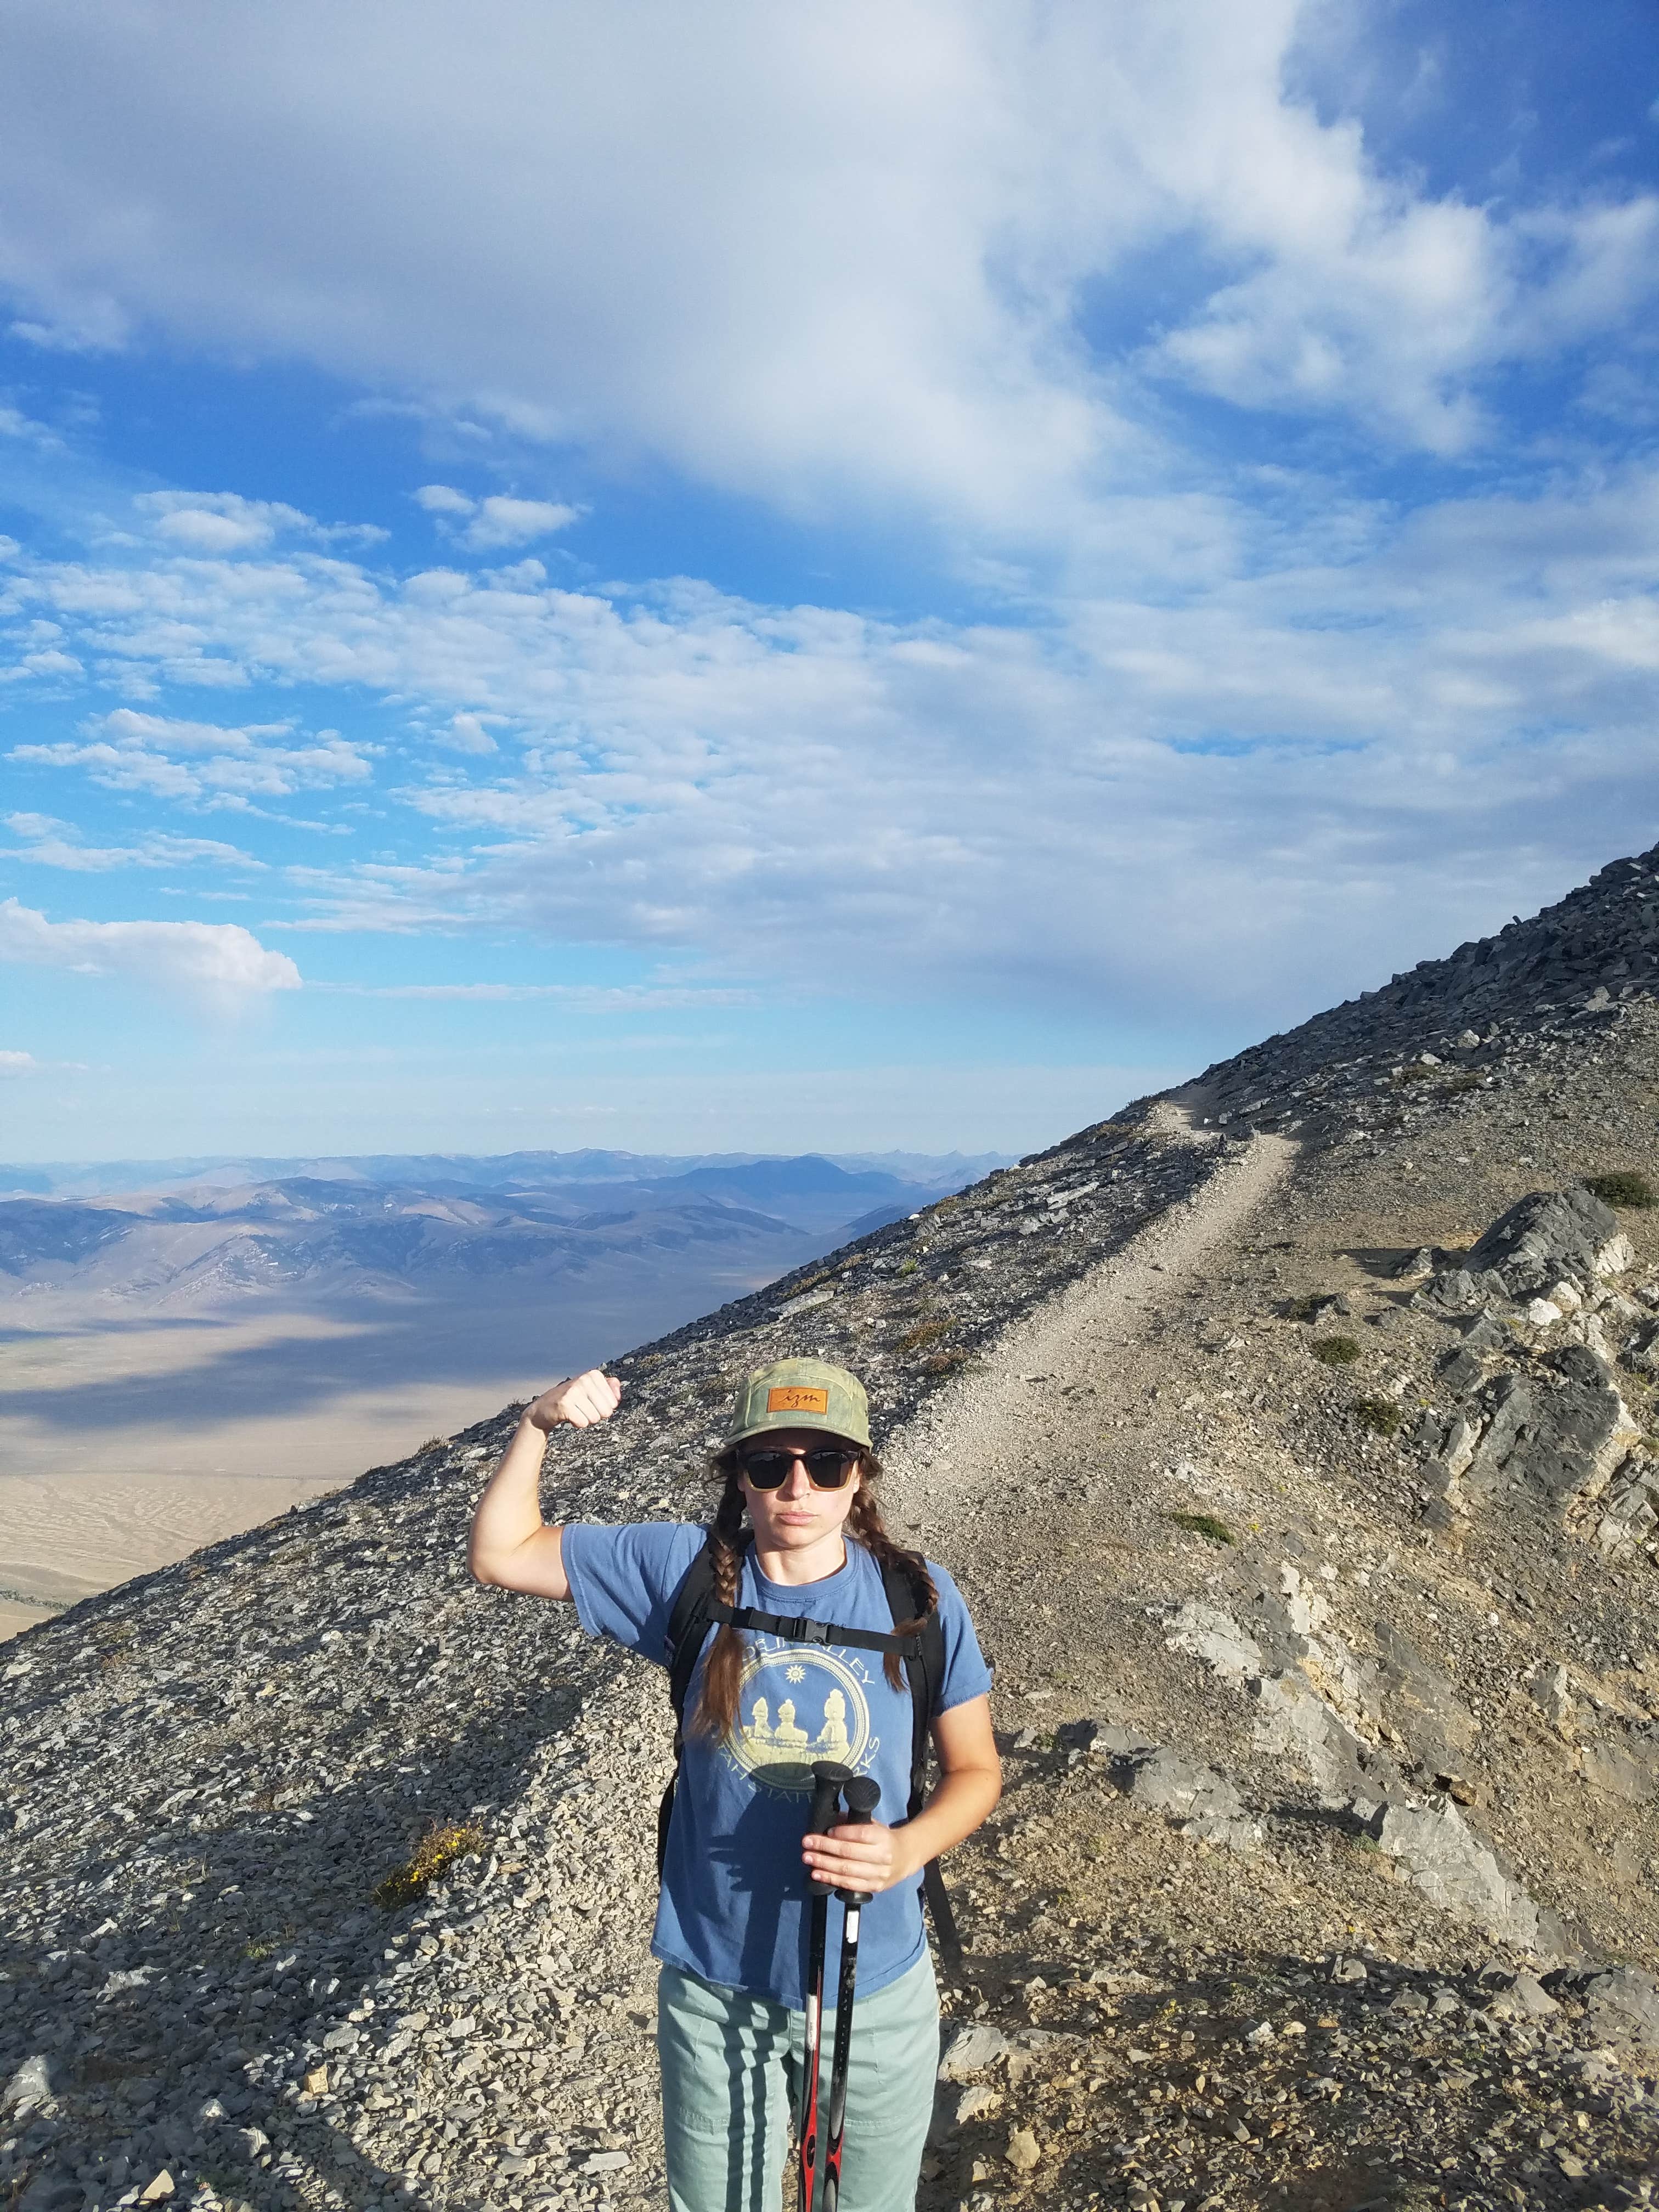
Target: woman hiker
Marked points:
797	1536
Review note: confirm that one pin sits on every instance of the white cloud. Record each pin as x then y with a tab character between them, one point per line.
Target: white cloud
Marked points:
857	267
14	1064
444	499
49	844
223	768
1290	732
496	522
466	733
219	964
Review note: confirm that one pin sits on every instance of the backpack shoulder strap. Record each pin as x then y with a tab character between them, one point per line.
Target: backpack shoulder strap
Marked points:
925	1671
689	1622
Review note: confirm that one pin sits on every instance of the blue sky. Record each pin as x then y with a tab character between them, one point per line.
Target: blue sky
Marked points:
784	578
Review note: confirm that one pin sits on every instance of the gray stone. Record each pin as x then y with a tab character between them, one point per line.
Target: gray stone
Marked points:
1421	1704
1631	1510
1452	1866
1621	2006
1215	1637
972	2047
51	2192
1550	1234
1485	1332
1551	1690
1205	1801
32	2084
1454	1291
1461	1370
1102	1739
1293	1719
1578	1431
1505	1407
1626	1771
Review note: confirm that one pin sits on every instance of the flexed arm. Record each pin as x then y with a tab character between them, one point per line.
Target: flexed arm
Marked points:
510	1544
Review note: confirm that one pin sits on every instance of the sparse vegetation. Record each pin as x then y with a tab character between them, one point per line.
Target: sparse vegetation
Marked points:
1467	1079
1336	1351
712	1387
1382	1417
942	1363
257	1947
924	1332
1622	1186
1212	1530
438	1849
909	1266
1305	1308
433	1444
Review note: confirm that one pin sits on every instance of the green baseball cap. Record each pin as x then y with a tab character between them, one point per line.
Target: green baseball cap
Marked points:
801	1394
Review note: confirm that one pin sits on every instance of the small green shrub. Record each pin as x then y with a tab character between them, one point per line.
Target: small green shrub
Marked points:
1622	1186
909	1266
1304	1309
1205	1525
1336	1351
1381	1416
1466	1079
943	1363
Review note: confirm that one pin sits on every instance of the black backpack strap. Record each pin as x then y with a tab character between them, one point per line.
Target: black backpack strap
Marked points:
796	1629
689	1623
925	1671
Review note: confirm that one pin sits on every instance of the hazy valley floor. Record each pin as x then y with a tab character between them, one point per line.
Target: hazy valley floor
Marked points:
128	1438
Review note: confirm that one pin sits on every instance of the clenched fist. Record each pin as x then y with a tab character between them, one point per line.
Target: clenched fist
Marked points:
580	1400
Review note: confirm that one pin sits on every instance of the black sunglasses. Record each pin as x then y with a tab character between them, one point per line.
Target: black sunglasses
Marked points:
828	1466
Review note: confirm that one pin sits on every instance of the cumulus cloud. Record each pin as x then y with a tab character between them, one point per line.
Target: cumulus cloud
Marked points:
217	964
221	767
49	844
864	263
1306	757
496	522
14	1064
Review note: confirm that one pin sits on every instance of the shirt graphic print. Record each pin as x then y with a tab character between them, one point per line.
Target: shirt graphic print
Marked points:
786	1689
733	1900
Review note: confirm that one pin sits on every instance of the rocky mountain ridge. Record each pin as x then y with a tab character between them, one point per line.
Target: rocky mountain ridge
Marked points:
1315	1556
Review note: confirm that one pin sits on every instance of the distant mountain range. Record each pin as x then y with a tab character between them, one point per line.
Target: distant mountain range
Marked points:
931	1172
205	1231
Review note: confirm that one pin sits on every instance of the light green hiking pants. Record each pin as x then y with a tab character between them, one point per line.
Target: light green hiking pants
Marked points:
731	2083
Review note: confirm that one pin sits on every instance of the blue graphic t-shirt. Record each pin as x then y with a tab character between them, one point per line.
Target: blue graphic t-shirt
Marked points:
734	1890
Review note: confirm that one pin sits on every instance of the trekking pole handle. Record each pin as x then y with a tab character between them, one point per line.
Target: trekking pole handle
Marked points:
863	1795
827	1780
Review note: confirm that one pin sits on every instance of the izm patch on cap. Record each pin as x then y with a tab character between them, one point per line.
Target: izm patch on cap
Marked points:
796	1398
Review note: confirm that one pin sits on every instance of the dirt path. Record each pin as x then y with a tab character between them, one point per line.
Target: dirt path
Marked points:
1014	1430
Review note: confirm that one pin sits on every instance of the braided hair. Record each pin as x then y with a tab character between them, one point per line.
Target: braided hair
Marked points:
722	1675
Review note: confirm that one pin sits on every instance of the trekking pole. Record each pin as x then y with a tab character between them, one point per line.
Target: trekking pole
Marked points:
862	1795
827	1779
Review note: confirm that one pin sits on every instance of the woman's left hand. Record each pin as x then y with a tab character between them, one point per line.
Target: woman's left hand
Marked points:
861	1855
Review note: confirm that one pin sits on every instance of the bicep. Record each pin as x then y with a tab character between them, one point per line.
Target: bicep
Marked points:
535	1566
963	1738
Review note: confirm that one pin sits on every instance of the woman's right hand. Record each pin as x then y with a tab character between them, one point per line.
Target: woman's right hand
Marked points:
580	1400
